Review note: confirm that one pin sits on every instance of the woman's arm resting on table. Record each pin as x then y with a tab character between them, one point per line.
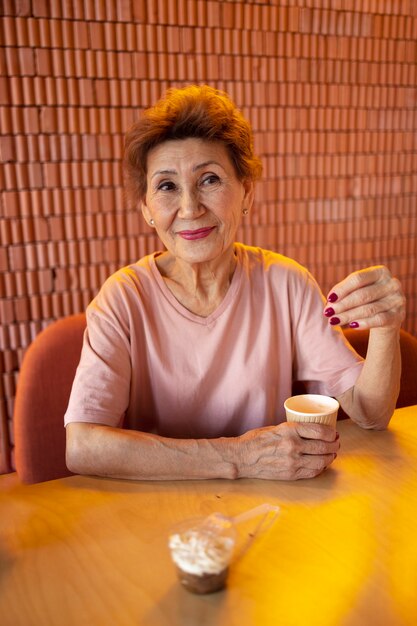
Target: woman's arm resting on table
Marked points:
373	299
283	452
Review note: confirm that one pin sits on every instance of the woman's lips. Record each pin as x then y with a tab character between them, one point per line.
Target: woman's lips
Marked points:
199	233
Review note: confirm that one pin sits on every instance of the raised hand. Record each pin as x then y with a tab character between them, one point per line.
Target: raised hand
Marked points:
368	298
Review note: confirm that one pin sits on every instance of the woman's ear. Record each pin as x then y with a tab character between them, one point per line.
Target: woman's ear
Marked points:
249	187
146	213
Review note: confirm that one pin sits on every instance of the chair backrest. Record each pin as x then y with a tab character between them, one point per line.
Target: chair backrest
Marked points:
42	394
408	345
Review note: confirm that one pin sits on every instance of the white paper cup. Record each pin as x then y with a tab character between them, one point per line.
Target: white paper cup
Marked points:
312	407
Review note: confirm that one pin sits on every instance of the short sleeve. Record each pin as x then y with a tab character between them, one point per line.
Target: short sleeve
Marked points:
100	392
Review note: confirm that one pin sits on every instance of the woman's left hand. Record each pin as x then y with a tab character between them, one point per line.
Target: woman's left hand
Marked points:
368	298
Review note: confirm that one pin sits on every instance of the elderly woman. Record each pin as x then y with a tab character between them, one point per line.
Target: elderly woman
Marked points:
189	353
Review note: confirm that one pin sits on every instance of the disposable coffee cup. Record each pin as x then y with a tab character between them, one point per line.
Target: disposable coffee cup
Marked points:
311	407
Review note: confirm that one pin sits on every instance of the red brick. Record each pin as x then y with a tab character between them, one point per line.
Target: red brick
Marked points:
21	309
10	201
17	258
6	311
80	34
86	92
139	11
51	173
7	148
96	30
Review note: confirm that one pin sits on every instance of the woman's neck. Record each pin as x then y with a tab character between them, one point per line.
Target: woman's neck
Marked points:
199	287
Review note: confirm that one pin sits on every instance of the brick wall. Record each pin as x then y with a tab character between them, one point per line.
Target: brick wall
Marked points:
330	87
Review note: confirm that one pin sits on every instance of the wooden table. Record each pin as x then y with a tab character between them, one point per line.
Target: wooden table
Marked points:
343	551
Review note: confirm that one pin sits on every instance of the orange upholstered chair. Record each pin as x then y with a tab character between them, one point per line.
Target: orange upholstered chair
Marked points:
408	345
42	394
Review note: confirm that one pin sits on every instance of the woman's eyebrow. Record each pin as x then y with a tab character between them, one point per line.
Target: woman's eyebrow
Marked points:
163	172
197	167
201	165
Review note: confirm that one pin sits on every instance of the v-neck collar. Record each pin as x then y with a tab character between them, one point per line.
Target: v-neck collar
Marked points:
198	319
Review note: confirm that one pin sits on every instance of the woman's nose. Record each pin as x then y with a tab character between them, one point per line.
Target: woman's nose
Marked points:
190	205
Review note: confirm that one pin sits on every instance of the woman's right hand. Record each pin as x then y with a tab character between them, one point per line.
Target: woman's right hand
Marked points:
288	451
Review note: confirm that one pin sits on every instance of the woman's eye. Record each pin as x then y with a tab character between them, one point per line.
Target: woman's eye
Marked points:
211	179
166	186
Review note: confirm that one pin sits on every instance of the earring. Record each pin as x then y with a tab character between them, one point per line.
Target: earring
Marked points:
245	211
152	222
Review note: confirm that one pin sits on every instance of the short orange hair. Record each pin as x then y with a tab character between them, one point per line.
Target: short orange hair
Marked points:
195	111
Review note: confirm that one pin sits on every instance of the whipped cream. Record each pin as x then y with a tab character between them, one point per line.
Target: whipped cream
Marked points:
201	553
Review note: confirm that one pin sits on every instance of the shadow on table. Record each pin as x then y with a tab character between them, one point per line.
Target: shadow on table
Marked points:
215	494
179	606
6	561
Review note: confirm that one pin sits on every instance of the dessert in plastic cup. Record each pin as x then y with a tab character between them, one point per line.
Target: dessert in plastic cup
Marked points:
202	553
312	407
202	549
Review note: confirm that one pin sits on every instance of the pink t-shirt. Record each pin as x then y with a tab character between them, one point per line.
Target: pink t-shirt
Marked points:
150	364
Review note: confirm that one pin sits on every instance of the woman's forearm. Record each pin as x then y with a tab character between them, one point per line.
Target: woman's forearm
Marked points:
371	402
116	453
283	452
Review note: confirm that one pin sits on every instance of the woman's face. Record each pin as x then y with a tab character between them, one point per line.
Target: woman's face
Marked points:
194	198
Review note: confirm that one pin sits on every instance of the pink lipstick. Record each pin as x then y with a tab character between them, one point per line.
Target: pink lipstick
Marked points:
199	233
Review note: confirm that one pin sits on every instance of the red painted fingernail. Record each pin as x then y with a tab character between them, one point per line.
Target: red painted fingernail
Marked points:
353	325
332	298
329	311
334	321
